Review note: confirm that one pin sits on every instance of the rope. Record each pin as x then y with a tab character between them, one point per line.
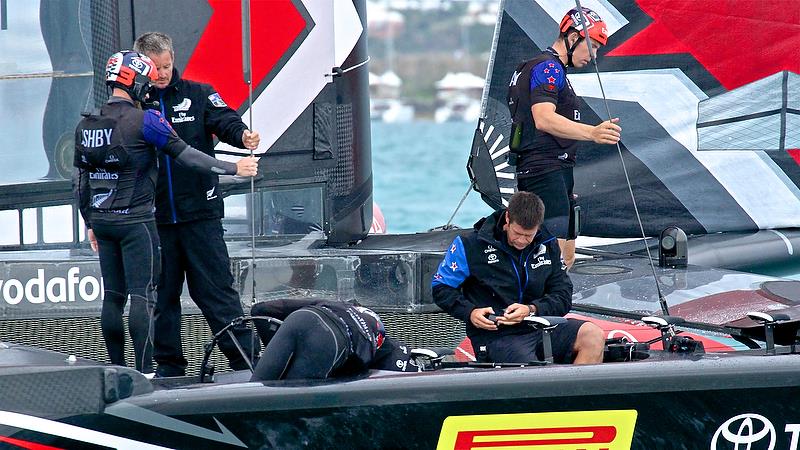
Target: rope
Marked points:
662	301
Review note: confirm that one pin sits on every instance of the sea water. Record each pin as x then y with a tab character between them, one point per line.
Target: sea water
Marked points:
419	175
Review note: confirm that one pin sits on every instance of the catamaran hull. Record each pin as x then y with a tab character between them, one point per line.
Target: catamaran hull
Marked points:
718	401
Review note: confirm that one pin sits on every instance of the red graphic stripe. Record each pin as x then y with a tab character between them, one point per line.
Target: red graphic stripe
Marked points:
27	445
723	36
795	154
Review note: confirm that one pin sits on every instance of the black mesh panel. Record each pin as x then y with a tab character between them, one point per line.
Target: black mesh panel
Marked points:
104	38
81	336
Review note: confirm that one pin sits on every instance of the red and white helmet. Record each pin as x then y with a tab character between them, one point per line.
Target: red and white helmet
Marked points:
132	72
594	23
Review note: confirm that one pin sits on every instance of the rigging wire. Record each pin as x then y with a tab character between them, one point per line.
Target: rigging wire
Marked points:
484	97
661	300
247	61
492	57
247	64
338	71
463	197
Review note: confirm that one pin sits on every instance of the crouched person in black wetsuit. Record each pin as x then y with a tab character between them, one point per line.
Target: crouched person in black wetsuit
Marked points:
321	339
114	183
510	267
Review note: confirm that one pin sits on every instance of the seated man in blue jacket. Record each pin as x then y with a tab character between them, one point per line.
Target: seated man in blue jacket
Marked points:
510	267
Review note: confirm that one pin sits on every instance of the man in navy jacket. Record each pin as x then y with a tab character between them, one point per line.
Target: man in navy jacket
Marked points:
510	267
189	212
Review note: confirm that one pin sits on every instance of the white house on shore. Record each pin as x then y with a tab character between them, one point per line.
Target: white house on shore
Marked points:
384	99
459	97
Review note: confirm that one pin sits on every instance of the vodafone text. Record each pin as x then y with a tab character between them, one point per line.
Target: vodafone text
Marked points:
41	289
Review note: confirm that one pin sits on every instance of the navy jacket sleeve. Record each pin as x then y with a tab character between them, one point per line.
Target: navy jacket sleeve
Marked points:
157	131
447	281
557	300
221	120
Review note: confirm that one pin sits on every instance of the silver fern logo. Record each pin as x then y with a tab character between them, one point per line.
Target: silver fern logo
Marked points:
98	199
498	152
183	105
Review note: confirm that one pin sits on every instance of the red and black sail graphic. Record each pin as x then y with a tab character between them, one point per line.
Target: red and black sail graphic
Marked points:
217	57
708	97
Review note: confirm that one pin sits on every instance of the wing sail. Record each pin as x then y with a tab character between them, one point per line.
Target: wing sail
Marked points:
710	146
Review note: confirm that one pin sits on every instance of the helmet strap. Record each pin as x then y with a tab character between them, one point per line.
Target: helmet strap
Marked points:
141	85
571	48
570	51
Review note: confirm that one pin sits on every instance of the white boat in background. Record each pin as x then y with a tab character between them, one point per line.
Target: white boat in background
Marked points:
384	24
390	110
461	109
459	96
385	104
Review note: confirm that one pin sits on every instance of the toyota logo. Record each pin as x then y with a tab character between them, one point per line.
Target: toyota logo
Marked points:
744	430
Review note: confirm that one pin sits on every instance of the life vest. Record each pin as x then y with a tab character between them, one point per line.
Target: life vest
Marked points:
550	152
99	150
519	104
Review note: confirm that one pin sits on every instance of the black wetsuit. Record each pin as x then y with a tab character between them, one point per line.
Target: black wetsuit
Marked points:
480	269
189	209
545	161
114	183
322	339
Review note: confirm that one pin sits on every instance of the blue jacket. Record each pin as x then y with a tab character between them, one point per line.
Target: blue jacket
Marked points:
480	269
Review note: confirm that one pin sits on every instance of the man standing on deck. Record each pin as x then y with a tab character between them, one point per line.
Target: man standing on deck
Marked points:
546	122
510	267
116	168
189	210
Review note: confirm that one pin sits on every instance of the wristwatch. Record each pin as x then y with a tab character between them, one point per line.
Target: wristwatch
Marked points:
531	310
